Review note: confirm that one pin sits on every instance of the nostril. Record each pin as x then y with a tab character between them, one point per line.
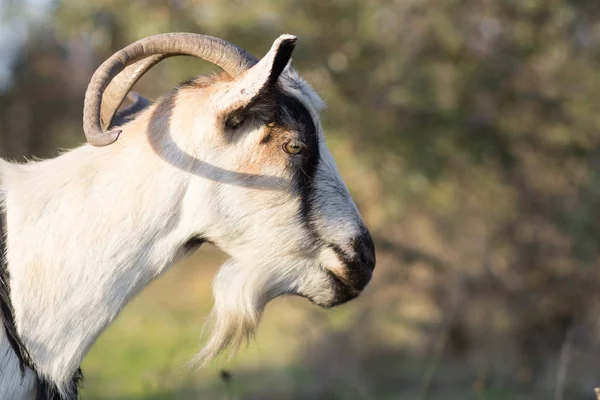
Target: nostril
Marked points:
366	250
369	262
354	264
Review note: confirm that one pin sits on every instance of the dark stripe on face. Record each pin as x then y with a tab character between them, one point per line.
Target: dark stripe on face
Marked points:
292	115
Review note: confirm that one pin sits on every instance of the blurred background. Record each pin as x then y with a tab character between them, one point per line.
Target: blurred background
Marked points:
468	132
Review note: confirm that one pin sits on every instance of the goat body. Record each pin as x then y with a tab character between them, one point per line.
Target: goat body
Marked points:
239	161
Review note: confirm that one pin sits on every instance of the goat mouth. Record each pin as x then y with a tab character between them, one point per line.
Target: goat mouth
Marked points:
341	280
343	292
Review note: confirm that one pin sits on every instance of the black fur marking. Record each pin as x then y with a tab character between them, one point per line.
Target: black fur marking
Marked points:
282	57
46	390
301	121
361	264
282	111
192	245
359	269
294	116
235	118
343	292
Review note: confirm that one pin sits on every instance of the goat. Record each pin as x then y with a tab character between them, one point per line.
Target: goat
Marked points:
236	159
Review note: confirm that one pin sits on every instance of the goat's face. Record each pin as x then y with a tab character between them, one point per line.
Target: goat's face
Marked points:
264	187
283	213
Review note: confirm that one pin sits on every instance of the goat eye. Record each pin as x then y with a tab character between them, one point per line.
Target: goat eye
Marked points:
293	147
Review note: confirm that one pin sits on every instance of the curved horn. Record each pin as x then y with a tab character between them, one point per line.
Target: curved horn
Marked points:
230	58
118	88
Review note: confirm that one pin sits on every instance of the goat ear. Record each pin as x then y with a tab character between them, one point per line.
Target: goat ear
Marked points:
253	85
279	56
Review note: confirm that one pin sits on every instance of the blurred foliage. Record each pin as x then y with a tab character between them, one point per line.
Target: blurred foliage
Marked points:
468	133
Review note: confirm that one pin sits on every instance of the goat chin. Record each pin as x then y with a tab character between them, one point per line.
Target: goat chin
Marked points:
241	293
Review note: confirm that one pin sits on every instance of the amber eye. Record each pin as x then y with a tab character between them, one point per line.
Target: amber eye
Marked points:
293	147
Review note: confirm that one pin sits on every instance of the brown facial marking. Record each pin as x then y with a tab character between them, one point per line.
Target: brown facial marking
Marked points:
282	119
268	153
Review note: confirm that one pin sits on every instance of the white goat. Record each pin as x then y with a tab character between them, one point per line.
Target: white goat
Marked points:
237	159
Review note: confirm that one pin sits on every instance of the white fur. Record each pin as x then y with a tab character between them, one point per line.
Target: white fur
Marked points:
89	229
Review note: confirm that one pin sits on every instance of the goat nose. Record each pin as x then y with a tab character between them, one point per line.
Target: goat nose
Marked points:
354	264
362	263
365	250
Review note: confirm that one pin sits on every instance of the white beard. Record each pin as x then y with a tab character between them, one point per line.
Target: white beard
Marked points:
241	294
